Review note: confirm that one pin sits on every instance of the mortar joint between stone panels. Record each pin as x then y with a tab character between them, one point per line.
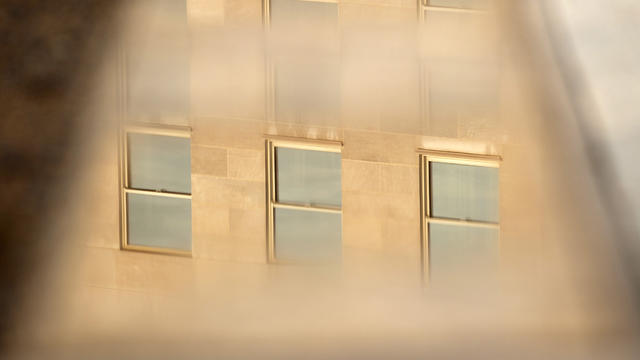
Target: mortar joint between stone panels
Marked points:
219	147
229	118
276	124
387	163
387	5
381	132
235	179
229	261
261	181
269	124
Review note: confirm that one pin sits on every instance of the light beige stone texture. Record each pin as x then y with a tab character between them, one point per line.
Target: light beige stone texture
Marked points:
207	160
380	147
247	165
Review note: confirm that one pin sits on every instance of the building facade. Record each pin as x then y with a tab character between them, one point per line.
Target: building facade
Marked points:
244	157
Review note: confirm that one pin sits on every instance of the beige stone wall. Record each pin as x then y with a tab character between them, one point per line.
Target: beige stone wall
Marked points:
384	118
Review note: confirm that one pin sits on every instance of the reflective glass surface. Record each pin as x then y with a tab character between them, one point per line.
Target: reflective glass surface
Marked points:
159	221
464	192
462	251
308	177
302	235
159	163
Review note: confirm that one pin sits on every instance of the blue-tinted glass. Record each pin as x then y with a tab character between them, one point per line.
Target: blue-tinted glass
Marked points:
464	192
302	235
308	177
159	221
462	252
160	163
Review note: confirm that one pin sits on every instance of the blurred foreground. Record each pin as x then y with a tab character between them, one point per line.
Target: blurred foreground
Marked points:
497	82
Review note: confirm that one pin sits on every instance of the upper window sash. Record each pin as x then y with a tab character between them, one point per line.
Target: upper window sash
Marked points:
149	129
282	142
427	157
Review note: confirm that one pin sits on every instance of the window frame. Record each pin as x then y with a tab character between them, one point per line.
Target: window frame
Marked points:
148	129
271	143
425	157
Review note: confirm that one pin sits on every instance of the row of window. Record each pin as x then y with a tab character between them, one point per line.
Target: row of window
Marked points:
305	76
304	68
459	201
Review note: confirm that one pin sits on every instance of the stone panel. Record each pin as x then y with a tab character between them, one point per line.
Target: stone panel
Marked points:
400	179
207	160
229	133
380	147
361	176
247	164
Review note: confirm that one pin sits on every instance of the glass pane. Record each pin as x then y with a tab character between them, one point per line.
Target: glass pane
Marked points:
462	252
464	4
464	192
159	221
302	235
308	177
161	163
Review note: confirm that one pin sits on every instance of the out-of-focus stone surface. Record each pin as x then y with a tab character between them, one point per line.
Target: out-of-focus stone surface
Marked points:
388	109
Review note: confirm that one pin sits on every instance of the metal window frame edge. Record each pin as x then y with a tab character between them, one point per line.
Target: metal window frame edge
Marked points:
152	129
271	143
426	156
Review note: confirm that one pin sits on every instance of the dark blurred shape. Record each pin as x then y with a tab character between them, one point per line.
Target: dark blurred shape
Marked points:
47	50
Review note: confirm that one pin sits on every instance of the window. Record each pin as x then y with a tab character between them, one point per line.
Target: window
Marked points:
460	218
156	190
303	61
304	201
